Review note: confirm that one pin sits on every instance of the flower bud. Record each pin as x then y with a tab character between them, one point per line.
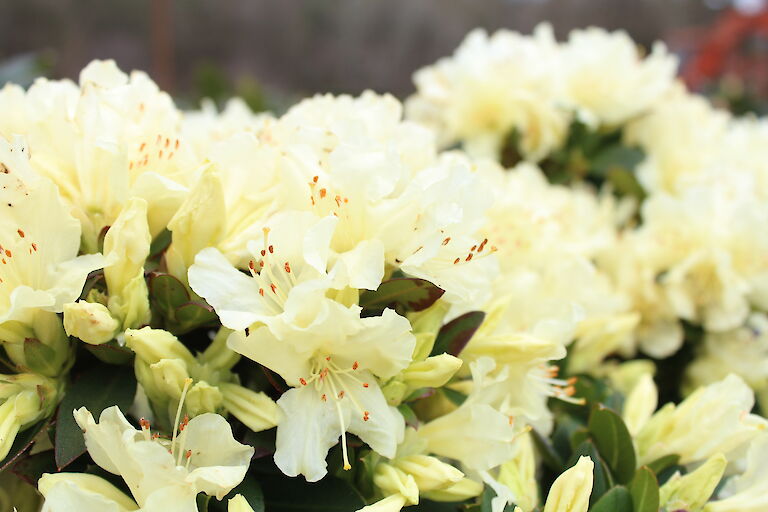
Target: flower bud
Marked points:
692	491
218	355
640	404
519	474
430	473
391	480
256	410
433	372
391	503
462	490
571	490
132	305
395	391
89	321
126	246
167	377
202	398
199	223
152	345
47	351
426	324
238	504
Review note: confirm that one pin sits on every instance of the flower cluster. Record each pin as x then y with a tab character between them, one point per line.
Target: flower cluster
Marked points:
329	308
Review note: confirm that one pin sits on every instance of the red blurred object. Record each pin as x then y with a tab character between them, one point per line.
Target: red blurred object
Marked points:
737	45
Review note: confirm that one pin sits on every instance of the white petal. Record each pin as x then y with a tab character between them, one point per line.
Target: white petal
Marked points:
308	429
385	427
232	294
384	345
277	355
220	462
362	267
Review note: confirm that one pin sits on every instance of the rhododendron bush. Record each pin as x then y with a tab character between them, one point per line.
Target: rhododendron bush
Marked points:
538	284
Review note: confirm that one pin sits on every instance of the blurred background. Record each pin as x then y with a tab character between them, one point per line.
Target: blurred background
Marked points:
272	52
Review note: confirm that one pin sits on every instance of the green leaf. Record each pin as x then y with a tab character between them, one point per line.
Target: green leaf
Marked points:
616	157
160	243
617	499
167	293
601	481
409	293
456	397
644	490
614	442
22	443
663	463
110	353
202	502
32	467
96	389
548	454
191	316
330	494
40	357
455	335
408	415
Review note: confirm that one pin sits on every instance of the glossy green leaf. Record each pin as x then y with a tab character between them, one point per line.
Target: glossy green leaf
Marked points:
601	480
549	456
167	293
408	293
617	499
614	442
111	352
663	463
454	336
202	502
644	490
191	316
98	388
32	467
160	243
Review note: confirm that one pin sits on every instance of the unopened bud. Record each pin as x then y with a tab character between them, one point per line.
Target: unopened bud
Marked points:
430	473
571	490
239	504
519	474
433	372
391	480
89	321
256	410
640	404
202	398
393	503
692	491
126	246
167	377
395	391
152	345
462	490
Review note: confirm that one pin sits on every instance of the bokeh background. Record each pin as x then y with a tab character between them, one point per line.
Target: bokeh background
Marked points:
274	51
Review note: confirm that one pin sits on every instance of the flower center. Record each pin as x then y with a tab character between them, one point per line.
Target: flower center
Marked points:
337	384
179	437
275	278
554	387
